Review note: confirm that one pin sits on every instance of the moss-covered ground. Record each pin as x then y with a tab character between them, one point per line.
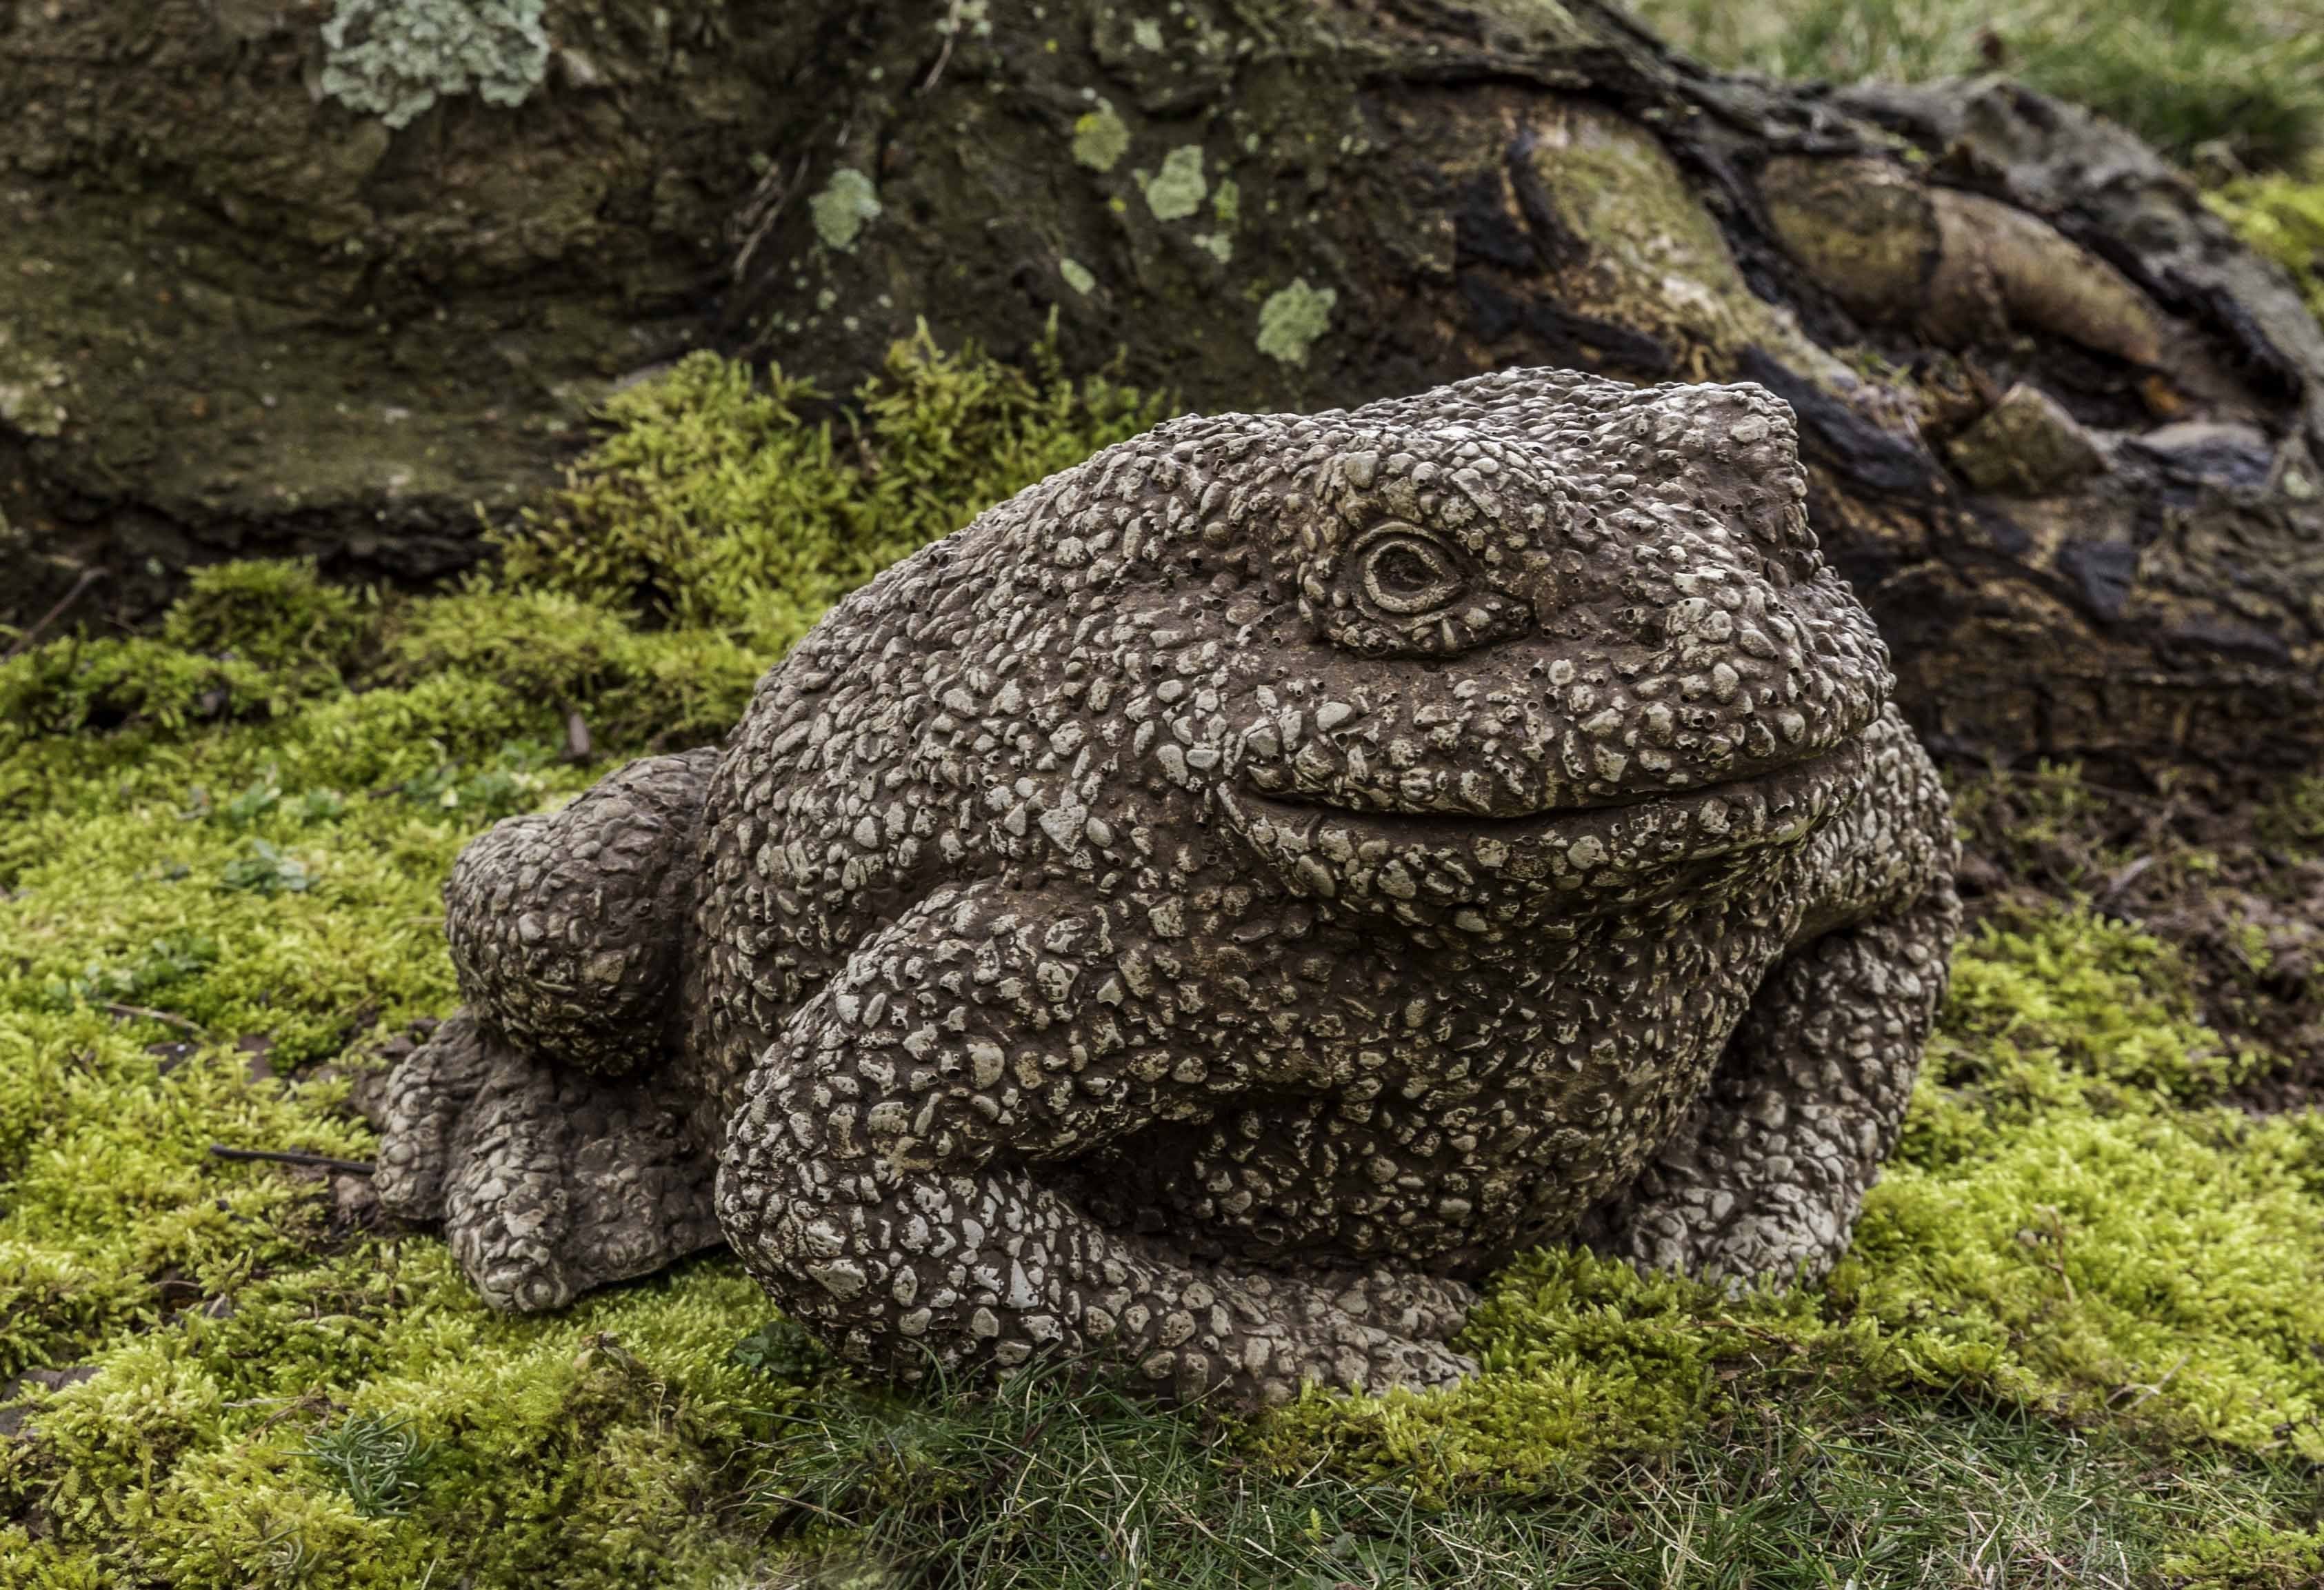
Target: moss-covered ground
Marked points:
2229	85
2233	89
2079	1338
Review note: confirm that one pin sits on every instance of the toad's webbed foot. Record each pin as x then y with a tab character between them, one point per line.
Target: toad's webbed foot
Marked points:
548	1182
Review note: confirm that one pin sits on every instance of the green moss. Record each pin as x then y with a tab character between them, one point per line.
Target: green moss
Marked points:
1582	1359
714	505
245	639
230	1328
2094	997
2281	217
670	688
2248	1556
112	681
278	616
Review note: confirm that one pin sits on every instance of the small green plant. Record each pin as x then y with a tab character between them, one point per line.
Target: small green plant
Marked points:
782	1350
262	796
260	799
264	869
375	1459
511	782
163	962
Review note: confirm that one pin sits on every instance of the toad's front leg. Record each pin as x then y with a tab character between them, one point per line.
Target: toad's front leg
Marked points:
1767	1173
885	1176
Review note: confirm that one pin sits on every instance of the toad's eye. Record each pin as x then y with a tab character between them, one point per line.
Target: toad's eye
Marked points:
1402	592
1404	573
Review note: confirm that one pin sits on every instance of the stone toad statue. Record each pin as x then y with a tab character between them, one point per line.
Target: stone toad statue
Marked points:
1227	899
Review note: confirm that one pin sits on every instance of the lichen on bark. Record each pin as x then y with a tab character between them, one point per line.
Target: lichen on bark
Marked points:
239	318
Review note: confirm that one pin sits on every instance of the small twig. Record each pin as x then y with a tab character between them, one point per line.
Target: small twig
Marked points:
147	1012
764	222
802	1503
951	32
23	643
2156	1389
296	1157
1768	1336
2123	879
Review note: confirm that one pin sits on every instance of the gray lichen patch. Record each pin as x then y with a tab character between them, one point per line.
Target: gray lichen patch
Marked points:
1078	276
1101	138
31	388
1177	190
1293	318
846	204
394	59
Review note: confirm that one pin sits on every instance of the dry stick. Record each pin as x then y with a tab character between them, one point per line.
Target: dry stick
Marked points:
766	222
23	643
296	1157
151	1014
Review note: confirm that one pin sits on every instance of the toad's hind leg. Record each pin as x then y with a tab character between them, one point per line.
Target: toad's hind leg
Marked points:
1767	1174
564	928
538	1124
893	1176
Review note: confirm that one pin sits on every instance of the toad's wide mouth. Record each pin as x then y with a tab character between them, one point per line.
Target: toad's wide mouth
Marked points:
1337	851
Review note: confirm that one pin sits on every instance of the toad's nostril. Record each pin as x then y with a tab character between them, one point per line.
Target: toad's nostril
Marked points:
1644	624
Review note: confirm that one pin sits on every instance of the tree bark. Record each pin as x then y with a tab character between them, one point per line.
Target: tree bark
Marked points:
2062	429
